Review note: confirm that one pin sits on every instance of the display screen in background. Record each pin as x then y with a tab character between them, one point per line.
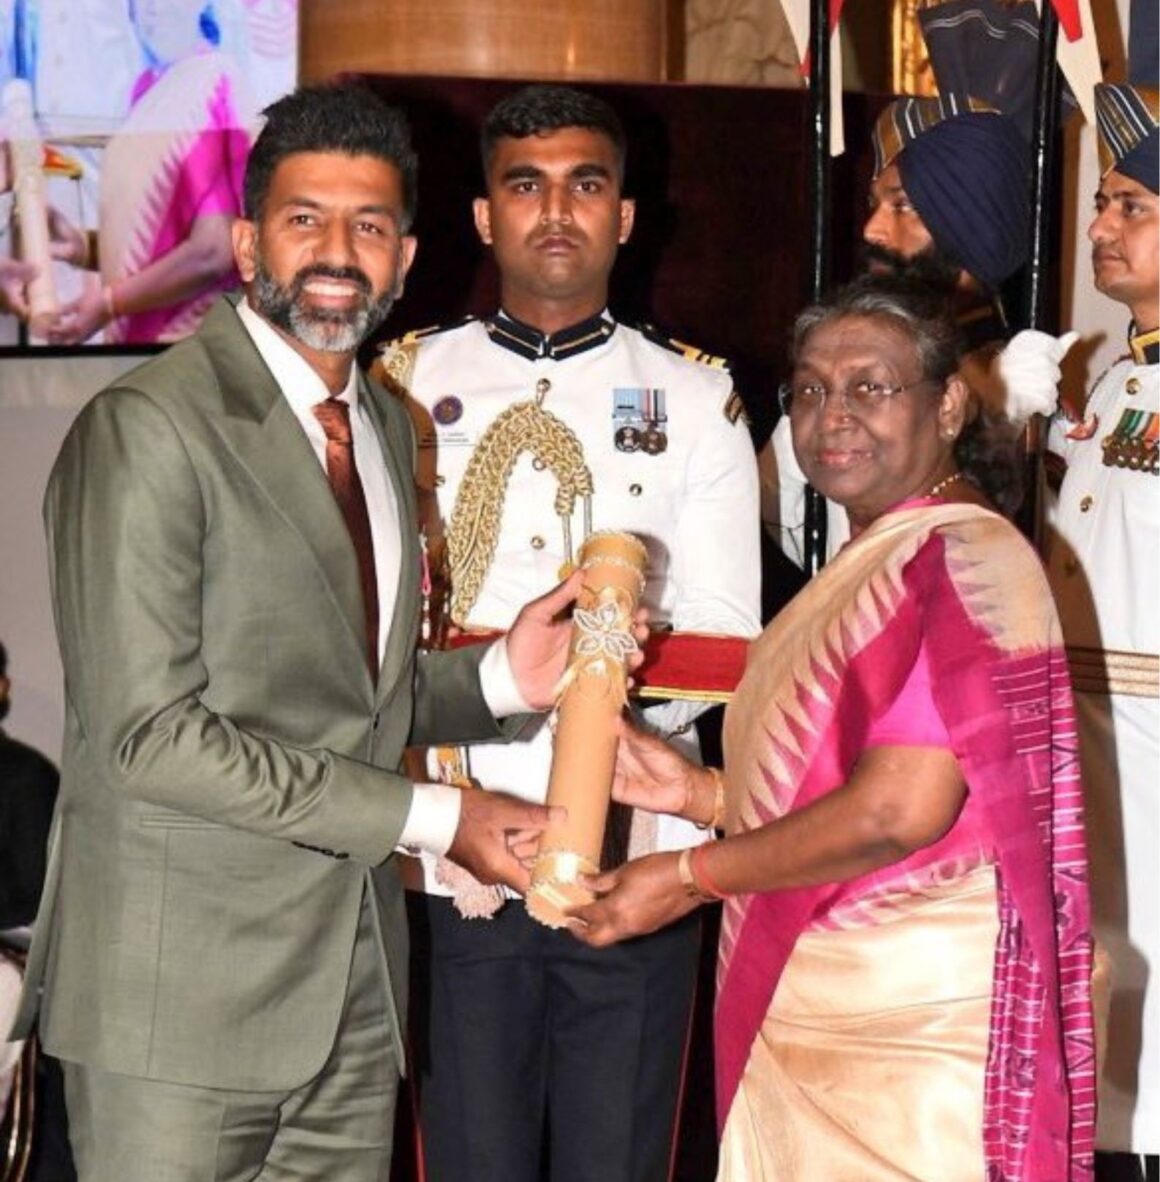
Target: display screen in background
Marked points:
145	109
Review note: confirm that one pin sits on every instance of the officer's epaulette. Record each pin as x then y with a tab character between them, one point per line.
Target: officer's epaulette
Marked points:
396	360
418	334
689	352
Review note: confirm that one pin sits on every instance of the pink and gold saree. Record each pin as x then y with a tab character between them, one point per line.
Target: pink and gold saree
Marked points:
930	1020
180	155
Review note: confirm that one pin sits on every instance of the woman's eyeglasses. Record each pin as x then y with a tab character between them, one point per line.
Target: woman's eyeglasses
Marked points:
859	398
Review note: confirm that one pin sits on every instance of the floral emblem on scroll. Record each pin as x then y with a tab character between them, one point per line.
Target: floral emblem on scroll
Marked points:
604	632
603	643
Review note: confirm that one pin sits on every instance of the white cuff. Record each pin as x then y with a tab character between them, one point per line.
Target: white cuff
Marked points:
432	819
498	683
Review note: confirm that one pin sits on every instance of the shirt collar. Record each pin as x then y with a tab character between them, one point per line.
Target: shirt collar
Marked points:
510	333
1145	346
300	385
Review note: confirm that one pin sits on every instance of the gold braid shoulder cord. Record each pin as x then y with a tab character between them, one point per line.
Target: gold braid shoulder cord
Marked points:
475	520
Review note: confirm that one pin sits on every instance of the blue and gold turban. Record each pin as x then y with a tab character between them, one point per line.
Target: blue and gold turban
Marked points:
1126	123
966	169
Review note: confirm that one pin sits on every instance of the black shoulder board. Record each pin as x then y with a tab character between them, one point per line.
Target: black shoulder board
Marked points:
688	352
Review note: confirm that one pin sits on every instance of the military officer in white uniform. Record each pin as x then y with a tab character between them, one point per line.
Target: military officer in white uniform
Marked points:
533	1039
1104	565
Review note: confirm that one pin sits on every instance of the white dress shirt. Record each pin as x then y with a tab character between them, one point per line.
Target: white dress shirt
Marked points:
434	813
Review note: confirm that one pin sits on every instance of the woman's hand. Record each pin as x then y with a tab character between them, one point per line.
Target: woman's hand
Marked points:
79	320
638	898
649	774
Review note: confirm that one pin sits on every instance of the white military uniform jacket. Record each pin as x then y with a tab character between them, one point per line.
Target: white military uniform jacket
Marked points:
671	460
1104	565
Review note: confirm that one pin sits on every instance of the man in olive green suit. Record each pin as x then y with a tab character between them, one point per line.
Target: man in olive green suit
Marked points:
222	943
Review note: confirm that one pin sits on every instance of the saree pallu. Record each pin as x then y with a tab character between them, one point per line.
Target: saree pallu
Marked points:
961	584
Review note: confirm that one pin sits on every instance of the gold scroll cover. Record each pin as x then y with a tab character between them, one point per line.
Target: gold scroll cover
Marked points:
591	697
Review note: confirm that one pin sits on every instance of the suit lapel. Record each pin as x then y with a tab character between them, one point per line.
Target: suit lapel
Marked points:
393	442
261	430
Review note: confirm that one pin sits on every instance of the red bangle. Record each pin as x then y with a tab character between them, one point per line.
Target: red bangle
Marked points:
702	879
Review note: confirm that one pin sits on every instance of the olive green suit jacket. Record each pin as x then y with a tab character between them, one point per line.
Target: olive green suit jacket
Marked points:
230	770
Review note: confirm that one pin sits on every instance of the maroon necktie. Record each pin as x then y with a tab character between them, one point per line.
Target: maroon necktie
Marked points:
334	415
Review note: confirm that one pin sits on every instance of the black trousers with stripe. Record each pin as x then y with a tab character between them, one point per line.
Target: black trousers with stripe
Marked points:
536	1057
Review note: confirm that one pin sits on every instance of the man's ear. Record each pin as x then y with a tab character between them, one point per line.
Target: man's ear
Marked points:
481	209
244	235
408	244
627	219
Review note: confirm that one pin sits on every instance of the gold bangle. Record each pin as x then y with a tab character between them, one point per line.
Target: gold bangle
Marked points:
717	820
109	302
90	260
685	874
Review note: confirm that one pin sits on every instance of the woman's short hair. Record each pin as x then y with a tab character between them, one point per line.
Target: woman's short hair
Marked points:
918	309
989	448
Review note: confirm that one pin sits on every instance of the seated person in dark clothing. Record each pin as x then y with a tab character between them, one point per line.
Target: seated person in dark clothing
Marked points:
28	783
27	793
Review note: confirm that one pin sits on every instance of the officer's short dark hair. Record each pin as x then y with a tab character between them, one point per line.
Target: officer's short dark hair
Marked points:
538	109
330	118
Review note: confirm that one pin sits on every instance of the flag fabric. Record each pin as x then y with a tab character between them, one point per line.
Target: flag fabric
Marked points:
1077	53
1072	19
797	16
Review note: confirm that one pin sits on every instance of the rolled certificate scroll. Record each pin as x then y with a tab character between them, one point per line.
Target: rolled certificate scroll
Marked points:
27	158
592	695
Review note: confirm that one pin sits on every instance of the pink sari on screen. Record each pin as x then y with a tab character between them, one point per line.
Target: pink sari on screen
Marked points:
960	586
179	156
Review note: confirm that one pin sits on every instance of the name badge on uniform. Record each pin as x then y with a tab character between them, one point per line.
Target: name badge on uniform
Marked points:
639	421
447	428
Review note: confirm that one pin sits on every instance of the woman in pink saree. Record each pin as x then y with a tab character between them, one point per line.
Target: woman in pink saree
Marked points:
171	185
903	987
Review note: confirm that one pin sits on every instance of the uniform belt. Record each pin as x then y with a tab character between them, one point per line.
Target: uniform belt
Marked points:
691	665
1108	671
697	666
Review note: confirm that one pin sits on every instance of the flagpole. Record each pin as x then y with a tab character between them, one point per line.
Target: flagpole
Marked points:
814	542
1044	147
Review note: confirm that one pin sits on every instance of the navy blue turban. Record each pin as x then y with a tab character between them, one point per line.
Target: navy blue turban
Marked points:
968	177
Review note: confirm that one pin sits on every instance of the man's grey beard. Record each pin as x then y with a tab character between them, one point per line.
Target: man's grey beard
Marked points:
327	330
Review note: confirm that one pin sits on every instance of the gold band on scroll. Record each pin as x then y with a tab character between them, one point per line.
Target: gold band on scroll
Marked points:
556	886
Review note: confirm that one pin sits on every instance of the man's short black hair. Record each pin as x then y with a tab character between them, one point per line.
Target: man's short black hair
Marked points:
538	109
331	118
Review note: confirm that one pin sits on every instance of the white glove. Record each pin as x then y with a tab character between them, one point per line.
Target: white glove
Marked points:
1029	367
